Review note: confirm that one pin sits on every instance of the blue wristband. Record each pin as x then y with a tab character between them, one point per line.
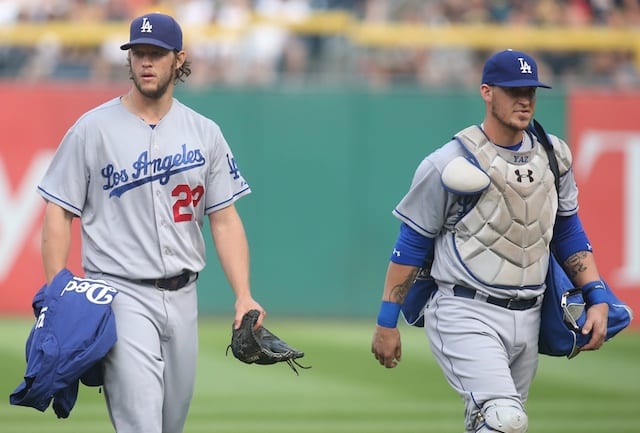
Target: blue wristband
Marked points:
595	292
388	315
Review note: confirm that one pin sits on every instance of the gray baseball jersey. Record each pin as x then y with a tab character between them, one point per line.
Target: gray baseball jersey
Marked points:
142	193
486	351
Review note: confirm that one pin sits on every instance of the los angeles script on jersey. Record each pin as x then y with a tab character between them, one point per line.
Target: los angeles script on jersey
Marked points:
145	170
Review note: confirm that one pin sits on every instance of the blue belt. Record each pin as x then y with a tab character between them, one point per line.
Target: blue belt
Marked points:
511	304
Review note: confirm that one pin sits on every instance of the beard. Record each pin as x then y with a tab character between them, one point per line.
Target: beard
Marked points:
156	93
508	123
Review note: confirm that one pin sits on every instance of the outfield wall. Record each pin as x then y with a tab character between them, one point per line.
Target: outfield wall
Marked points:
326	168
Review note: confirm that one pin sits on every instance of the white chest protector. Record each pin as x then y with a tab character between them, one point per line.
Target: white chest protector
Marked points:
504	239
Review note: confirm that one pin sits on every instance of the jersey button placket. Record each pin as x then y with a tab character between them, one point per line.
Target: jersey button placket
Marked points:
158	202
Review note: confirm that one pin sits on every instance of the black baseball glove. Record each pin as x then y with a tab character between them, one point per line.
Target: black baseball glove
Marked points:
261	346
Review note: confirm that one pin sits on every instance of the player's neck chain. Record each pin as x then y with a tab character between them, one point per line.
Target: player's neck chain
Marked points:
134	109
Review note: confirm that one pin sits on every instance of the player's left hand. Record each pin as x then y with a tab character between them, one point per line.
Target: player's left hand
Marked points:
596	324
243	306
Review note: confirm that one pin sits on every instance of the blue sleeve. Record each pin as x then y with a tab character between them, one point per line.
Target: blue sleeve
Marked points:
569	237
411	248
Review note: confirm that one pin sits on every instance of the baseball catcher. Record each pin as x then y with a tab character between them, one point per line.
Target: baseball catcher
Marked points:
260	346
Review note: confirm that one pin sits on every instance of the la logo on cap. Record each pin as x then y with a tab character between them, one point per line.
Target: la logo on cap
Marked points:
146	27
525	68
155	29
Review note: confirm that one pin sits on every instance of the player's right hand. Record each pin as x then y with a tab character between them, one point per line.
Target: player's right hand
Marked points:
386	346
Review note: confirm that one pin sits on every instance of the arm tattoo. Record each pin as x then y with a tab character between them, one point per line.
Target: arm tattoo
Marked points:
399	291
575	264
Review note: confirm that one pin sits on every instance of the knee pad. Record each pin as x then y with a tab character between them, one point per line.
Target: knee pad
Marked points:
502	415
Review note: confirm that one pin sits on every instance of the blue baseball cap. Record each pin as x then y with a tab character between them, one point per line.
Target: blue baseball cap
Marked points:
155	29
510	68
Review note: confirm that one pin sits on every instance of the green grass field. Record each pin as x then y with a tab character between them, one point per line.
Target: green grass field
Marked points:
346	391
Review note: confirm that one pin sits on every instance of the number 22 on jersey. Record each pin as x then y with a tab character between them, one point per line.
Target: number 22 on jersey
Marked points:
187	198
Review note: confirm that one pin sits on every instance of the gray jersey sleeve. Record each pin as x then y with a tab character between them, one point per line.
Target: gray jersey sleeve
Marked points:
66	180
225	182
425	207
568	194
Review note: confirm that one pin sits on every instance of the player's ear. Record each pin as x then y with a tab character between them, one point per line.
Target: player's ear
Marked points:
486	92
181	56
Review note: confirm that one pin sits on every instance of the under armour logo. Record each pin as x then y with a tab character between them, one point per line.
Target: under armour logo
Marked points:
525	68
528	175
146	26
396	253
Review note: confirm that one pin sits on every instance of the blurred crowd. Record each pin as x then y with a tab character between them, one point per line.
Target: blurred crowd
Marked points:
249	52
